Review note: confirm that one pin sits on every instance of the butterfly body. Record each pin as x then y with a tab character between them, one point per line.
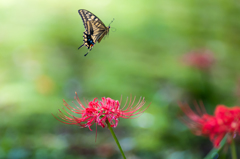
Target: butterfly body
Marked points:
90	42
95	29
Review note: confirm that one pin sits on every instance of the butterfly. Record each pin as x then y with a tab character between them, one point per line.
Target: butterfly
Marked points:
95	29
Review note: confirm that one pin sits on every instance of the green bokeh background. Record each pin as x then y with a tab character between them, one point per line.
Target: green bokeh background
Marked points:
40	65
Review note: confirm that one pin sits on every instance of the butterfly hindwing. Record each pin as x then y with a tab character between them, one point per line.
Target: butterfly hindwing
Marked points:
95	29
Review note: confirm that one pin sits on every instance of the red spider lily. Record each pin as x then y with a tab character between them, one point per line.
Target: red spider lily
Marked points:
228	118
101	111
225	120
200	59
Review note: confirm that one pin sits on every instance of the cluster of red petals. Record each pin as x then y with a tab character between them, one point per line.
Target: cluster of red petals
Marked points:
100	111
225	120
200	59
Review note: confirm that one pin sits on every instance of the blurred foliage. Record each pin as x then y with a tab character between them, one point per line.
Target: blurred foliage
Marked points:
40	65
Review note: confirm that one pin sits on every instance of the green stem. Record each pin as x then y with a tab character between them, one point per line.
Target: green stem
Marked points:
214	152
233	150
115	138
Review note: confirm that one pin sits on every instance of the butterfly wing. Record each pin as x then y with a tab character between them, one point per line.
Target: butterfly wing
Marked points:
88	16
99	31
95	29
87	38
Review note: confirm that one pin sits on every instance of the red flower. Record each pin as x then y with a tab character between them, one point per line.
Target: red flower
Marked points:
100	111
225	120
199	59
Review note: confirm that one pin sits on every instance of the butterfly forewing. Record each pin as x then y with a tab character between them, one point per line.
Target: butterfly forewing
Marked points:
89	29
95	29
83	13
91	17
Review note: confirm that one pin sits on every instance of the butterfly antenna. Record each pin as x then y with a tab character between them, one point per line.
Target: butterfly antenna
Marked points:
111	22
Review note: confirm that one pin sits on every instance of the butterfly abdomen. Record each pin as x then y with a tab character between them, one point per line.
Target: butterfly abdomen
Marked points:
88	41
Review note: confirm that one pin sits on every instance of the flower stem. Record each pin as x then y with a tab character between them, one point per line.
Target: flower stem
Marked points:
233	150
115	138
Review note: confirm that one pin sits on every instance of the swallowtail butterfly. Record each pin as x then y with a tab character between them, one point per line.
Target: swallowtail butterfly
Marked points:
95	29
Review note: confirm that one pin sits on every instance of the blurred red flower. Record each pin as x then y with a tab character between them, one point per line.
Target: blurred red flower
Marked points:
100	111
200	59
225	120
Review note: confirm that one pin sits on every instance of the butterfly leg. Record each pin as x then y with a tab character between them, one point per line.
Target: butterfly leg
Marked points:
81	46
88	51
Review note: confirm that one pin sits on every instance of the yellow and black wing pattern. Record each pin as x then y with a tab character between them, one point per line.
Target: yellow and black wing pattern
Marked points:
95	30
